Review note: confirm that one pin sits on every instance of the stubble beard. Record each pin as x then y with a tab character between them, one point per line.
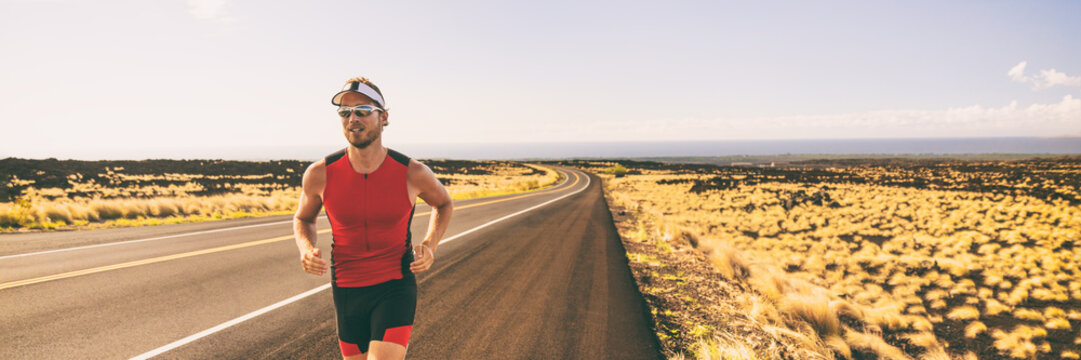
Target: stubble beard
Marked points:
366	141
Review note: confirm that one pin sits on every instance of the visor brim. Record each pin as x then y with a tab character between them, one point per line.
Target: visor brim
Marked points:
359	88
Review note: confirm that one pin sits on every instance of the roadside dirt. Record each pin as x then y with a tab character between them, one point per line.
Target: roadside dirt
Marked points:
688	299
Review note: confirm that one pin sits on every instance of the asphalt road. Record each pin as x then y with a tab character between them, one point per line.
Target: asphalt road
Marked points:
540	275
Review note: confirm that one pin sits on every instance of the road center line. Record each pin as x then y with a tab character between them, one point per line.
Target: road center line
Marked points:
148	239
253	314
128	264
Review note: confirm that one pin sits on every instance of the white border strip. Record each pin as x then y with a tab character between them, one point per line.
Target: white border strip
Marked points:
249	316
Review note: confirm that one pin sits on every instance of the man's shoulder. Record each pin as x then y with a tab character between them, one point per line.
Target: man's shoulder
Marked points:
399	157
415	165
418	170
317	168
334	156
321	163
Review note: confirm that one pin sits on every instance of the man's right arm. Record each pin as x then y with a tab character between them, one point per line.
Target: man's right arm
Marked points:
311	201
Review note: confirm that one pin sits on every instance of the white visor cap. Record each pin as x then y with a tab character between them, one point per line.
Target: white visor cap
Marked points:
358	87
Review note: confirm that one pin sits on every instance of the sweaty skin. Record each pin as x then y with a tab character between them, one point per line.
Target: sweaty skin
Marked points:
366	153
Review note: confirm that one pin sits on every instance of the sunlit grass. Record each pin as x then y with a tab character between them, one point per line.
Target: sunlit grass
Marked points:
918	265
86	205
501	181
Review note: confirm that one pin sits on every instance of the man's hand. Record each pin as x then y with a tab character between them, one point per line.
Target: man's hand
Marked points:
424	259
312	261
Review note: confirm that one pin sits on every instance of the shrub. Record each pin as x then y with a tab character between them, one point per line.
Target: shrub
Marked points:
617	170
107	210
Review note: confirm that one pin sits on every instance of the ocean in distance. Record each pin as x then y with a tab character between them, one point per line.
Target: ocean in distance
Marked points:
584	150
944	146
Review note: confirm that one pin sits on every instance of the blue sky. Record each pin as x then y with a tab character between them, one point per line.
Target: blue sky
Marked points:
80	78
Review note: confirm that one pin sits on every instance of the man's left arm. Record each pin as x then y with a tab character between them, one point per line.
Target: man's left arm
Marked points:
435	195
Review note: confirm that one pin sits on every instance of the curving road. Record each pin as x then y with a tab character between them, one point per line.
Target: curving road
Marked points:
540	275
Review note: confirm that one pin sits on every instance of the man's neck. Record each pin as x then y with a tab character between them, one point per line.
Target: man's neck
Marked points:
367	159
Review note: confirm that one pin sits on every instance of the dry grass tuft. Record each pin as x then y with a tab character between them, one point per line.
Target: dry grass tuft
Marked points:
974	329
1028	314
874	344
727	349
1058	324
964	313
924	340
839	346
728	261
814	309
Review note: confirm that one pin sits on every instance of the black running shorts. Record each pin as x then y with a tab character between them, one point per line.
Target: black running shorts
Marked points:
381	312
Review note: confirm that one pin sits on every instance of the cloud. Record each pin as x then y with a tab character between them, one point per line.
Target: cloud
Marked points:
1017	73
1052	78
975	117
1045	79
1013	119
210	10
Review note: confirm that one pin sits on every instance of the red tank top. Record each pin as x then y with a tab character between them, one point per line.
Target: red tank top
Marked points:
369	218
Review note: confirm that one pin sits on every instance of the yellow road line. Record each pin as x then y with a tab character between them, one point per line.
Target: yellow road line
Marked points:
71	274
576	178
143	262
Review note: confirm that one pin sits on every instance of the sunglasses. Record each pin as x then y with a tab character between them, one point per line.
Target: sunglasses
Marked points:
360	110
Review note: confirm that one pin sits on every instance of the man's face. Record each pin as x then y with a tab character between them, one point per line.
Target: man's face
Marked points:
362	131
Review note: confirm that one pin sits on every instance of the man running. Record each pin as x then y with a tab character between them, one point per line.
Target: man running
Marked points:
370	192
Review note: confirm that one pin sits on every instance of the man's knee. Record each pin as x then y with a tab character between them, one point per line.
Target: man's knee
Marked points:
383	350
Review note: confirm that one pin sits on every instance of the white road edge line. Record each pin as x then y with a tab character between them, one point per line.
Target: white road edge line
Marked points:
515	214
170	236
227	324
